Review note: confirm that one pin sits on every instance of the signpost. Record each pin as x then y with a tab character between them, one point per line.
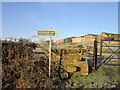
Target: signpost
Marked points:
49	33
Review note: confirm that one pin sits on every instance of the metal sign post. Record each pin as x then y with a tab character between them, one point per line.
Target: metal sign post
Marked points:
47	33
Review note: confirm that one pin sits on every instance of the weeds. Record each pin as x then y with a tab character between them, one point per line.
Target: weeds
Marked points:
104	77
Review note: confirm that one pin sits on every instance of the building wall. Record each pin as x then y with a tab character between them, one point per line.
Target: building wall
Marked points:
77	39
89	38
67	40
104	35
60	41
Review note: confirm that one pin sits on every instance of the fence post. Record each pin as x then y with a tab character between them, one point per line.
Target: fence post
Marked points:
95	53
101	50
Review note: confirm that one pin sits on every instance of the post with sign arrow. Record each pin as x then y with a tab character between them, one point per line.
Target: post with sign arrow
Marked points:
50	54
49	33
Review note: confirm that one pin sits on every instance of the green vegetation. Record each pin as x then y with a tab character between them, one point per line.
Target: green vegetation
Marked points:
22	70
104	77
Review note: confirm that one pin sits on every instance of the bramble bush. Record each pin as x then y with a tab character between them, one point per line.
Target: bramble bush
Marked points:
20	68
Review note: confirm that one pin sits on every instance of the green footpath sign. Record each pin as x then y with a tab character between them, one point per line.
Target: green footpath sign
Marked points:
47	33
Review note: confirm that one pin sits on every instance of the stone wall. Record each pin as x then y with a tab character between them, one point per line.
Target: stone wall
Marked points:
72	60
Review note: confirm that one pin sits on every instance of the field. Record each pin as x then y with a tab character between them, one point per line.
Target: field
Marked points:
22	68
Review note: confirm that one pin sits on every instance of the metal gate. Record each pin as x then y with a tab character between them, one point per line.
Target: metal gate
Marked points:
110	52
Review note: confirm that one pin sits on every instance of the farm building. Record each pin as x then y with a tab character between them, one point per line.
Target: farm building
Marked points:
78	39
109	36
68	40
104	34
90	37
60	41
86	38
